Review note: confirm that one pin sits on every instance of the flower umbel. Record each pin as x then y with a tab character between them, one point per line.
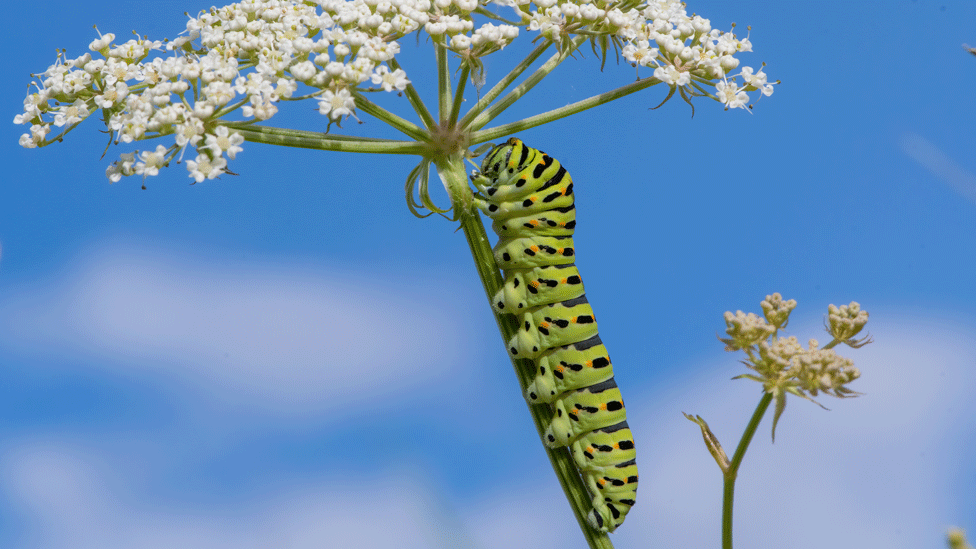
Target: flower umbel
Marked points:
782	365
248	57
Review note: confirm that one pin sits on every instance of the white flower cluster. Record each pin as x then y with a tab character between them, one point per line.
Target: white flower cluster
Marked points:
846	321
255	53
781	363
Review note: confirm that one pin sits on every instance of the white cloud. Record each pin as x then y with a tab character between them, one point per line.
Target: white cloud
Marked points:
283	338
881	470
64	498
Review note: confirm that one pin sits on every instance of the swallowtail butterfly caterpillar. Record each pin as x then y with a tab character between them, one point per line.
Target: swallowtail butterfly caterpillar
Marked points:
529	195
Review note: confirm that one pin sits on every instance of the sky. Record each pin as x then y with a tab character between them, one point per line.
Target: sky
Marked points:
288	358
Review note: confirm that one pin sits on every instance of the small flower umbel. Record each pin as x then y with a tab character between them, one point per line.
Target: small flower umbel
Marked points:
783	366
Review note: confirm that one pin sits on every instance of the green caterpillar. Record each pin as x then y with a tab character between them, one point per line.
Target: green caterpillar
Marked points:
529	195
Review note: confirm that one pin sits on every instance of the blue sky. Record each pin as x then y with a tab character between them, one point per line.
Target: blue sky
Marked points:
288	358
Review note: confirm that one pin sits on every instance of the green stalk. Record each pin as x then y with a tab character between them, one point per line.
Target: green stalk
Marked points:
502	84
728	492
398	123
562	112
323	141
511	97
452	172
443	82
459	96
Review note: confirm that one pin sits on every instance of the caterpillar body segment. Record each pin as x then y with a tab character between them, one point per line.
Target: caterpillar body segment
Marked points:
538	286
553	325
534	251
568	368
581	411
529	197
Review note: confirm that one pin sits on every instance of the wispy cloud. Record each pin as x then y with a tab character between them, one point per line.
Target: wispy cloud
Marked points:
63	498
940	164
294	338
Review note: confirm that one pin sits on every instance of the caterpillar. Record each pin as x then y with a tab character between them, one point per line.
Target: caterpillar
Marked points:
529	197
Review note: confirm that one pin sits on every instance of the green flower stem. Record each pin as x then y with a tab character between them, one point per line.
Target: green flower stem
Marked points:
562	112
402	124
459	95
502	84
511	97
494	16
415	101
832	344
324	141
452	172
733	470
443	82
221	112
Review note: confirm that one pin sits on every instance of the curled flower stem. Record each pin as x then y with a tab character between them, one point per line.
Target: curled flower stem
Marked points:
323	141
452	171
728	491
502	84
415	101
511	97
398	123
562	112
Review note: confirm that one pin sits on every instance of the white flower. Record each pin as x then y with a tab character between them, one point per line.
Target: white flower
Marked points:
112	95
71	114
396	80
730	94
641	54
259	108
337	105
121	167
102	42
36	136
150	161
224	142
756	81
205	168
303	70
672	76
189	132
